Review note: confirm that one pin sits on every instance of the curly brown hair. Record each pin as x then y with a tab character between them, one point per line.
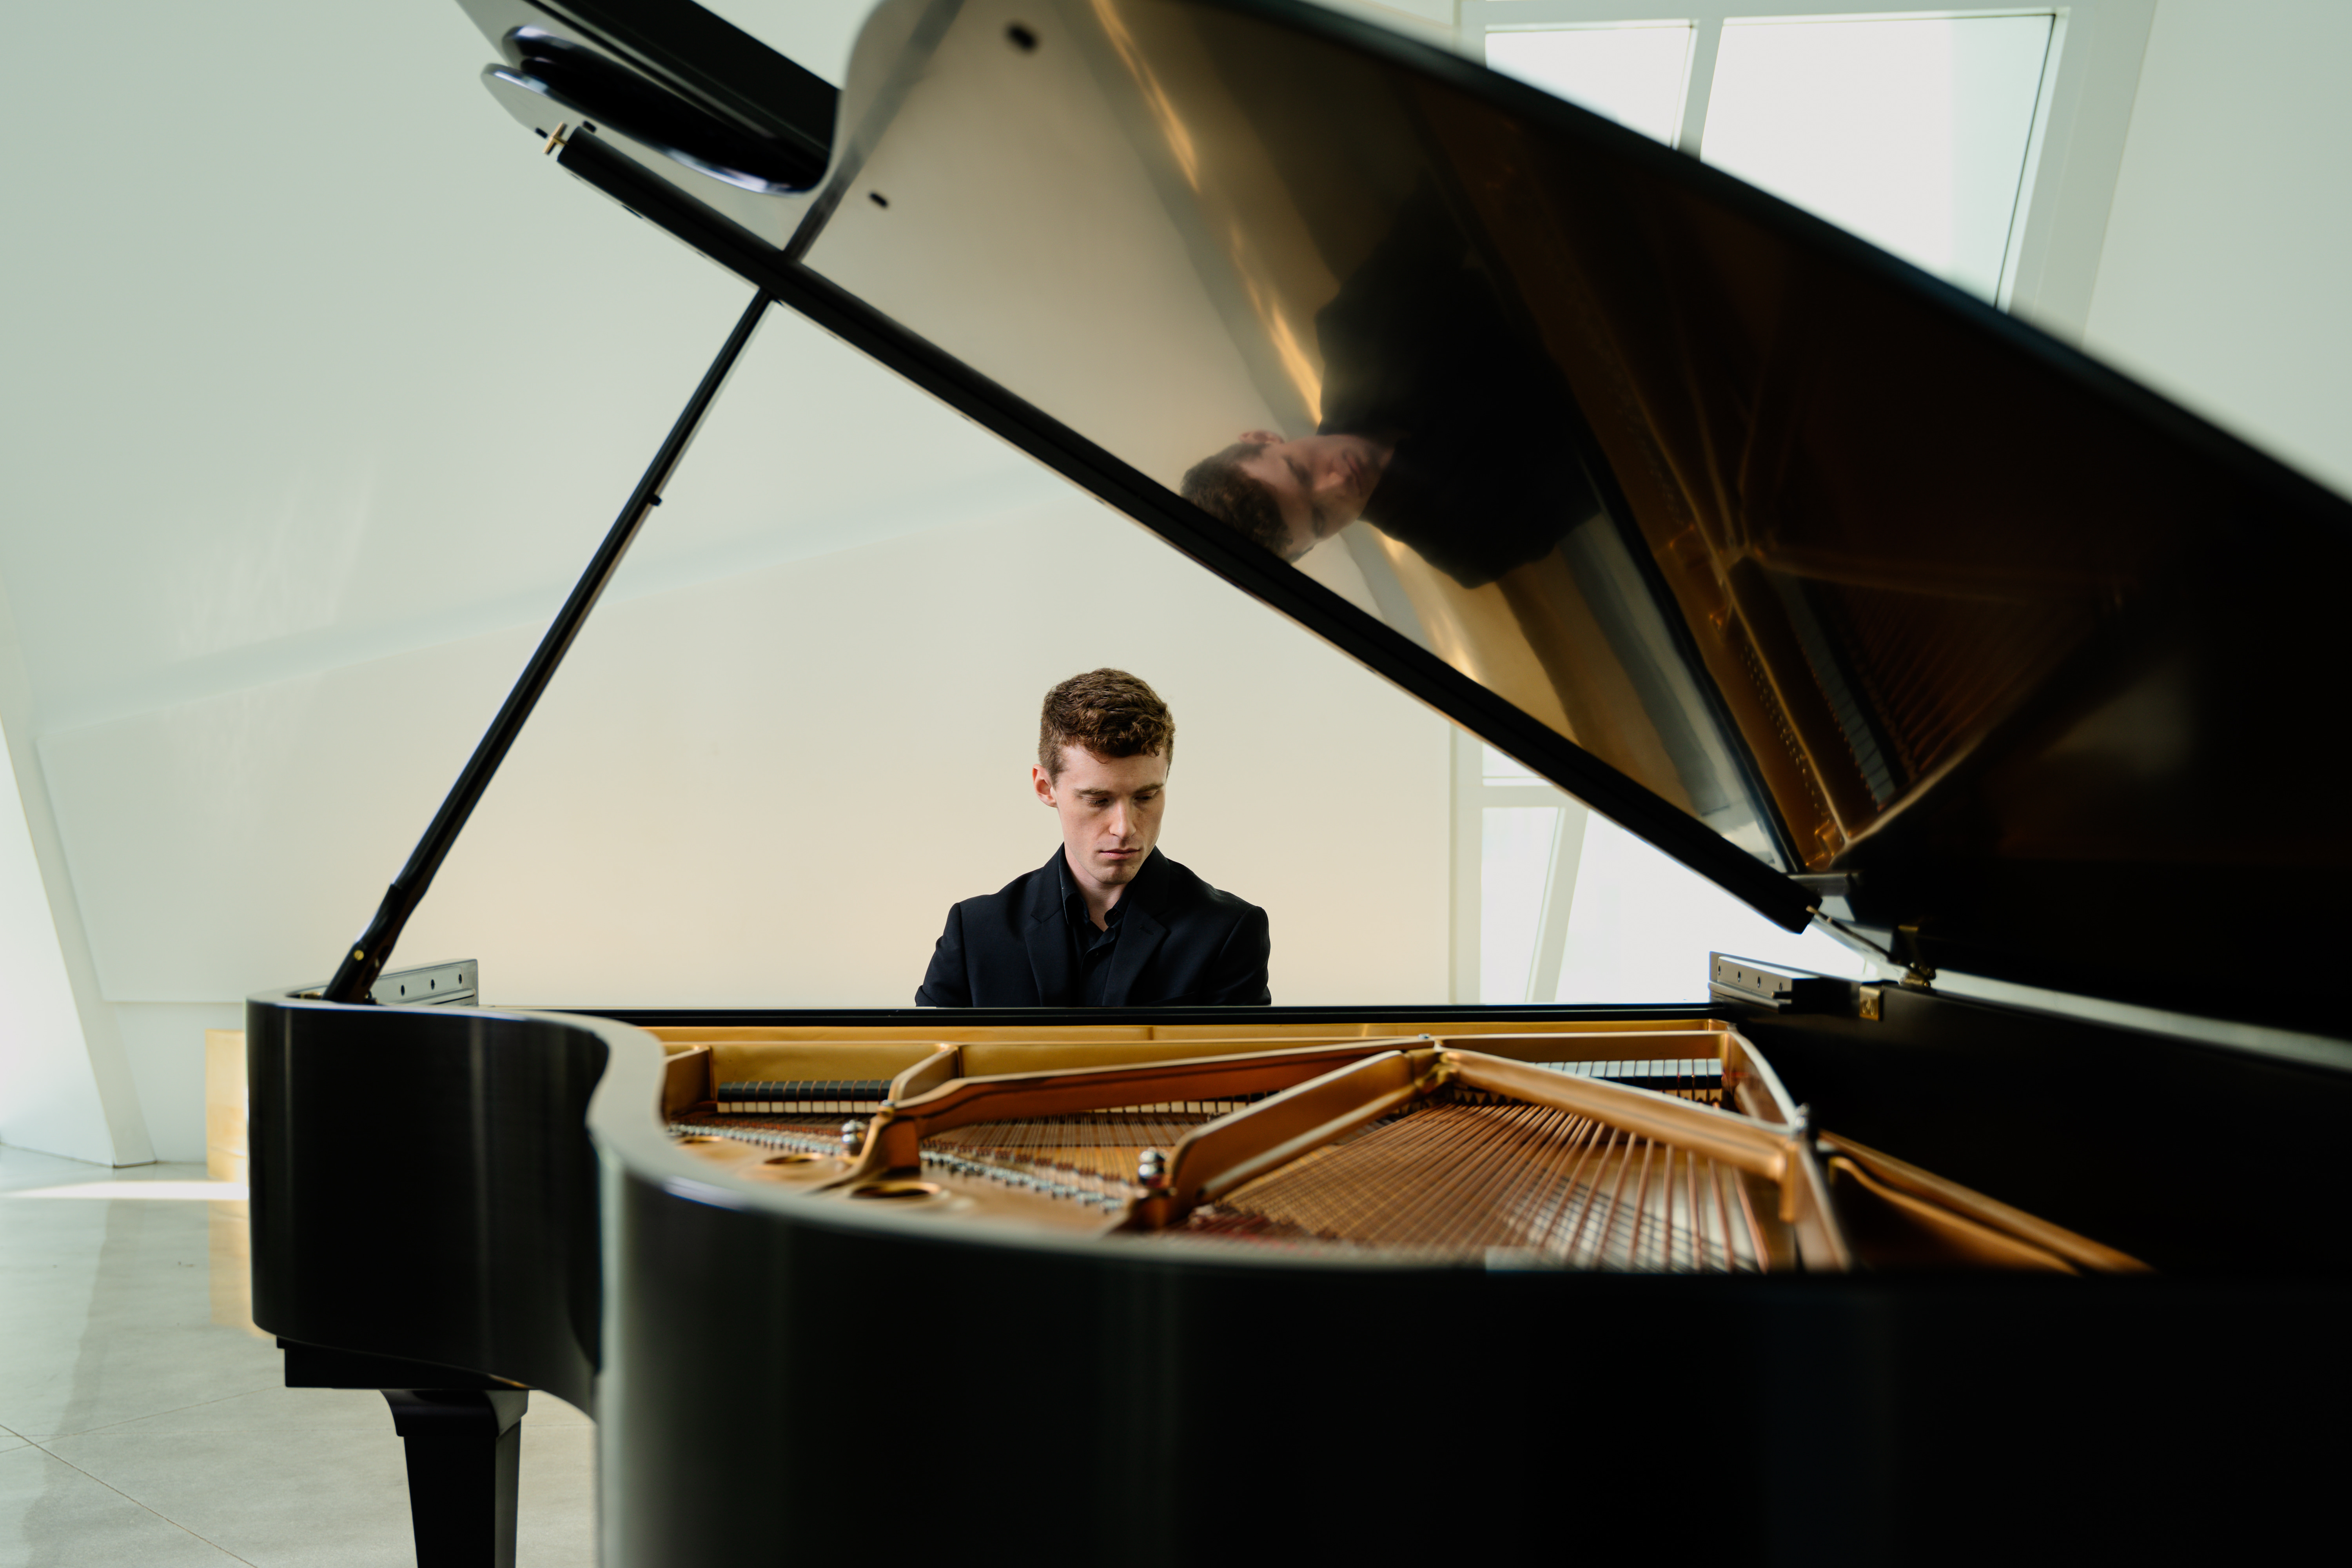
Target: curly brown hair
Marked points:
1107	712
1218	487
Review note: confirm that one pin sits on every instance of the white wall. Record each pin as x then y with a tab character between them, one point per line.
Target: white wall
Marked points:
282	329
163	1046
766	788
2222	281
49	1089
65	1085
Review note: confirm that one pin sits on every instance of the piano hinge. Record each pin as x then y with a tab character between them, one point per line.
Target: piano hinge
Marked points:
1916	970
1743	980
456	984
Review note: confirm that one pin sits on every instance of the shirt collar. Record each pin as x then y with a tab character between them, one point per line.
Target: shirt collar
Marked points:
1074	902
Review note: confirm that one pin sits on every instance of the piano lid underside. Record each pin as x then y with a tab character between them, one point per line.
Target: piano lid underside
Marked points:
1882	586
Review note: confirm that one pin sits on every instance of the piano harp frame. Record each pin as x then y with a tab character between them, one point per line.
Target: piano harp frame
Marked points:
1318	1093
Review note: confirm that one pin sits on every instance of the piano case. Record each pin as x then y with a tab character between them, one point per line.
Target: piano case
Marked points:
1894	617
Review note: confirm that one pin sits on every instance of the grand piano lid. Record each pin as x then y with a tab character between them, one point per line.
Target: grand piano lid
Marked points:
1873	604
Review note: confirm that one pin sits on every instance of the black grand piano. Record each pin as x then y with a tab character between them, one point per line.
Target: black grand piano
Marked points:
1892	615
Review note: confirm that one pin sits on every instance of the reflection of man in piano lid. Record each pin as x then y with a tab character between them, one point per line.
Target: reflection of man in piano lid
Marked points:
1288	495
1443	427
1108	920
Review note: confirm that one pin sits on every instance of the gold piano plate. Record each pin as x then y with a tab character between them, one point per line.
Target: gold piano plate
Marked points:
1625	1149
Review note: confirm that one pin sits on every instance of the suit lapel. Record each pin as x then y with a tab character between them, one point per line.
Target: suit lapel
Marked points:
1140	933
1048	939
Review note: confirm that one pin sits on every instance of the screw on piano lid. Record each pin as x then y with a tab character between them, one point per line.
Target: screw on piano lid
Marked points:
853	1136
1152	1168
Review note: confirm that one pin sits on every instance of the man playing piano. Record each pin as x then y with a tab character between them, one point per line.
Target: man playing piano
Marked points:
1107	922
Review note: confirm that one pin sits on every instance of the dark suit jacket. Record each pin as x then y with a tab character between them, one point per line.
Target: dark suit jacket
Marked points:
1181	943
1486	474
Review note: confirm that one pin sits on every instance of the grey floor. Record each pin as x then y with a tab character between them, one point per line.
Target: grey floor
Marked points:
142	1424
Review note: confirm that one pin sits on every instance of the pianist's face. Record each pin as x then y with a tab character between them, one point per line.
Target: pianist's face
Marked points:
1110	808
1319	483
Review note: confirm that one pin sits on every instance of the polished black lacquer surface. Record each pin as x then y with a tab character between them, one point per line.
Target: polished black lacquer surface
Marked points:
423	1187
1122	1400
1140	1411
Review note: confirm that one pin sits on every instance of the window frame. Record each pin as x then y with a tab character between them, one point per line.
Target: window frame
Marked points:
2072	157
1473	794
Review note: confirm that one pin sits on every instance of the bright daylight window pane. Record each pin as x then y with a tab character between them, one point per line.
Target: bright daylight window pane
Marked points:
1643	924
1911	133
1515	859
1496	768
1631	72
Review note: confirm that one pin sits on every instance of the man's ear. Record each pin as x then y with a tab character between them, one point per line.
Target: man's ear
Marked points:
1261	439
1042	783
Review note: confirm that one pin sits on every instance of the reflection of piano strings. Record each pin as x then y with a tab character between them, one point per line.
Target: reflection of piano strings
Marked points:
1481	1175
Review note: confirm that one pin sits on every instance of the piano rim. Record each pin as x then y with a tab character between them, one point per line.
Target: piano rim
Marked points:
628	1133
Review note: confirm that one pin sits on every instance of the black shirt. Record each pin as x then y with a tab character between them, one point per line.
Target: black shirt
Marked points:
1090	949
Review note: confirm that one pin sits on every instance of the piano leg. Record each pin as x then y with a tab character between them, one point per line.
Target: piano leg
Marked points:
465	1451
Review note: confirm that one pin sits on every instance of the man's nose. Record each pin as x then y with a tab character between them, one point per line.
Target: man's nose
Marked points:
1118	819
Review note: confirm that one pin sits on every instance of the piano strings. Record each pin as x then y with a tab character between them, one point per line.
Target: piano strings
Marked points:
1090	1156
1465	1174
1472	1175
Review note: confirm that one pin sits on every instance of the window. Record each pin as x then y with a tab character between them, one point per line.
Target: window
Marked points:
1555	904
1981	145
1633	73
1912	131
1521	840
1926	133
